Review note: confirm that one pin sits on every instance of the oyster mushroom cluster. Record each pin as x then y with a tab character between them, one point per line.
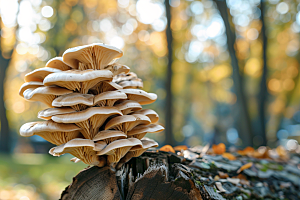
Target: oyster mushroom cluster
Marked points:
95	107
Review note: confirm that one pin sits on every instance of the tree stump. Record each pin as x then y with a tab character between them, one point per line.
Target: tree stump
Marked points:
161	175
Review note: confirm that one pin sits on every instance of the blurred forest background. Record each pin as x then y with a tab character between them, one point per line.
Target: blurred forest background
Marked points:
224	71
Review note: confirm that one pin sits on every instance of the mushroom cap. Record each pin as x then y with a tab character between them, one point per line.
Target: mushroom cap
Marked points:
130	142
151	128
85	114
49	112
45	94
109	95
32	85
102	135
128	106
77	76
125	77
39	74
141	119
77	142
129	80
97	54
116	121
73	99
117	69
32	128
132	84
140	96
149	113
146	145
58	63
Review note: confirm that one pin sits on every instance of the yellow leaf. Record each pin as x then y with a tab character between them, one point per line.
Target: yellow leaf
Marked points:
167	148
229	156
246	166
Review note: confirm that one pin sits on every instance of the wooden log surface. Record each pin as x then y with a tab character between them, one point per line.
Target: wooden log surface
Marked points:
161	175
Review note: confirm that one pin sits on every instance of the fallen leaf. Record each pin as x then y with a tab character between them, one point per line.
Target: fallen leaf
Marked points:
229	156
223	175
167	148
245	166
219	148
180	147
246	151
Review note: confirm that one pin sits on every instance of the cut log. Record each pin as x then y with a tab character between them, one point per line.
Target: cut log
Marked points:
161	175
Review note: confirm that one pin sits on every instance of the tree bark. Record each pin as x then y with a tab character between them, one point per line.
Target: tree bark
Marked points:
244	122
169	96
263	92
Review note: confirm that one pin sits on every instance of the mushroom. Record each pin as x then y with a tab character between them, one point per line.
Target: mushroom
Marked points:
75	100
140	96
76	80
49	112
39	74
109	98
32	85
122	123
117	69
153	116
82	149
75	160
109	136
128	106
141	130
118	148
105	86
136	151
93	56
129	80
45	94
90	120
56	133
58	63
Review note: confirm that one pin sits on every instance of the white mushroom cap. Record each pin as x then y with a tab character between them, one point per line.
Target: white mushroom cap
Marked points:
40	74
109	135
58	63
153	116
118	148
104	87
49	112
121	123
32	85
117	69
128	106
77	80
132	84
76	100
56	133
141	130
109	98
93	56
80	148
45	94
129	80
90	119
140	96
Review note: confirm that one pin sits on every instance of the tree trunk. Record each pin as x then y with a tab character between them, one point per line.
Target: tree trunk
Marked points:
5	138
169	96
244	121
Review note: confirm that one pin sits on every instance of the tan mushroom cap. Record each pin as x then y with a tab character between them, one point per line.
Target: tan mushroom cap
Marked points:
45	94
141	130
90	120
129	80
109	98
122	123
49	112
104	86
140	96
32	85
58	63
77	80
153	116
40	74
117	69
80	148
132	84
75	100
118	148
56	133
109	135
125	77
128	106
93	56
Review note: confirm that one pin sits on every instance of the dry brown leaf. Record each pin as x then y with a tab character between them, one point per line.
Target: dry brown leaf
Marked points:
245	166
167	148
219	148
246	151
223	175
180	147
229	156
